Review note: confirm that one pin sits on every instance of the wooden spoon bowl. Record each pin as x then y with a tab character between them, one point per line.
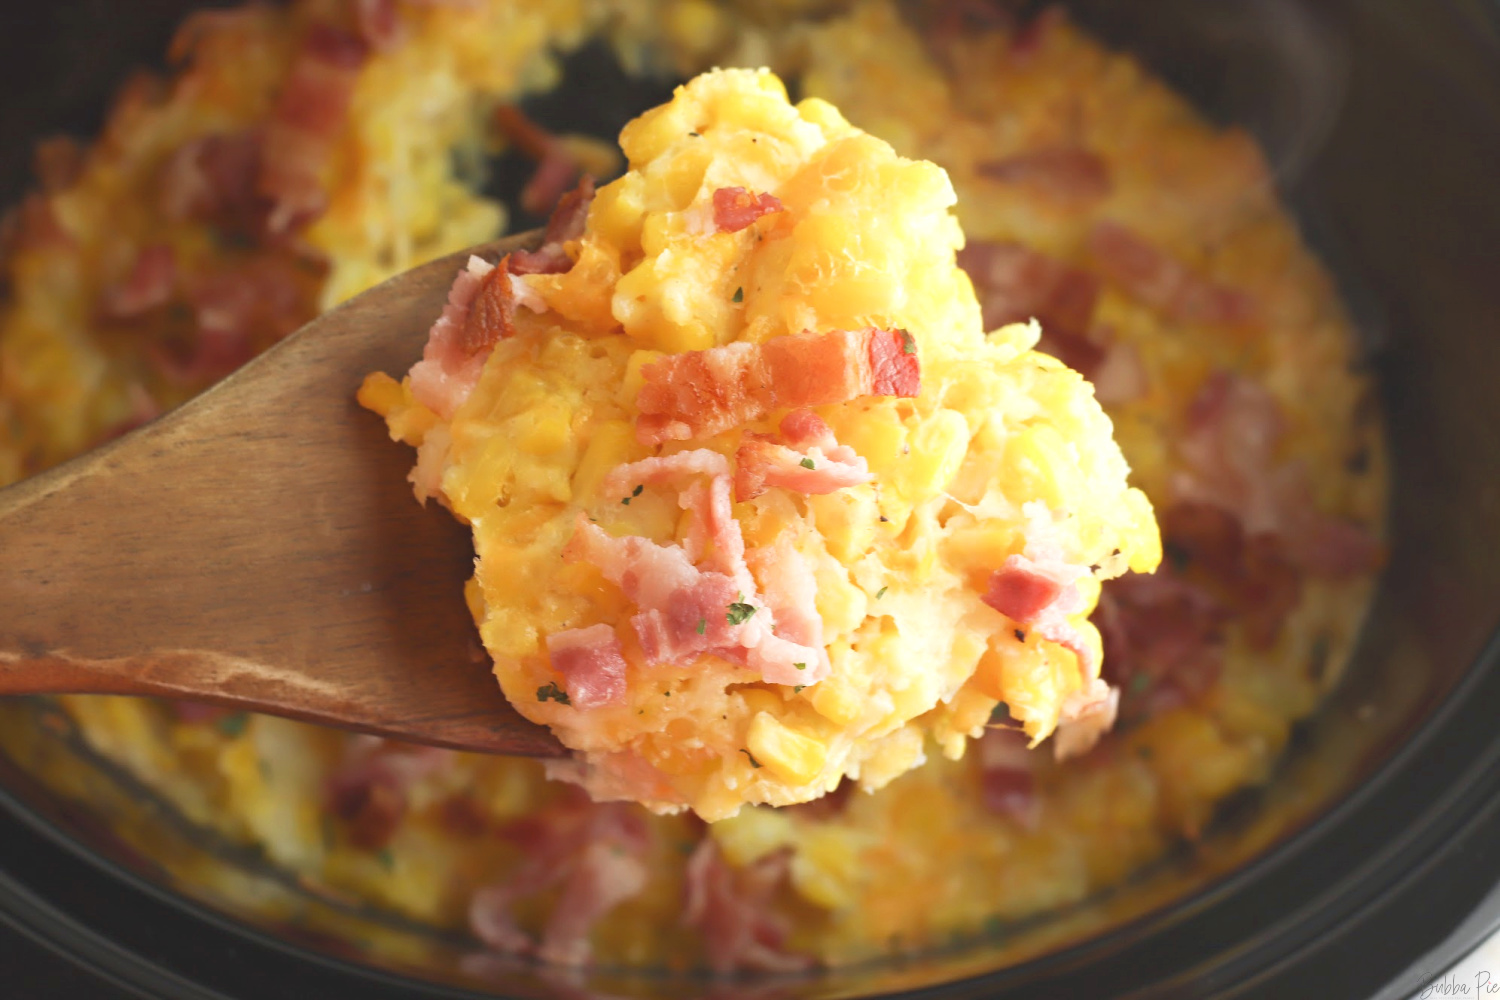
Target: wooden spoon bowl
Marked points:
260	548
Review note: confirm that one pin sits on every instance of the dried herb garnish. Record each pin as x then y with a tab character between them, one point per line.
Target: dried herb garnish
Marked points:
702	625
233	725
753	761
881	593
739	295
1020	635
800	666
908	342
551	692
807	463
739	612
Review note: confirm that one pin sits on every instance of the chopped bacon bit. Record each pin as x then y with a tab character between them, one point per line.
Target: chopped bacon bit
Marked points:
150	283
1019	592
306	123
735	208
791	592
1121	377
239	310
687	610
591	663
491	312
812	461
1007	784
378	23
733	911
461	816
1086	716
595	851
556	166
1164	283
701	393
197	712
1163	640
1015	284
1030	38
1040	587
1235	426
449	370
565	225
213	178
1065	174
369	790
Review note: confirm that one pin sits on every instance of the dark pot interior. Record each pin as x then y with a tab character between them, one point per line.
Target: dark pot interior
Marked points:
1383	119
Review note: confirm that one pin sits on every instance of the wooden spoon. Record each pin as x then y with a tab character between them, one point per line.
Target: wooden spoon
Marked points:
259	548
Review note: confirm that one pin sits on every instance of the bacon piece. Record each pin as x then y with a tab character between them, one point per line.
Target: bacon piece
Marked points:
1015	284
378	23
238	311
492	311
1230	458
1087	714
733	910
735	208
591	663
701	393
1120	377
811	461
306	124
1164	283
556	166
1007	784
448	371
1066	174
684	609
214	178
1021	593
150	283
1039	588
791	590
596	852
197	712
564	225
1163	640
368	791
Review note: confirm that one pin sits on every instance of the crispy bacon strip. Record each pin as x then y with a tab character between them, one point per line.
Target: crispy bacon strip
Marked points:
1039	588
701	393
368	790
1164	283
591	663
564	225
810	461
736	208
214	178
1163	640
306	123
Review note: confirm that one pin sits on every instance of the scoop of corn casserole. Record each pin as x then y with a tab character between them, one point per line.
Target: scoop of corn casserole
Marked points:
756	501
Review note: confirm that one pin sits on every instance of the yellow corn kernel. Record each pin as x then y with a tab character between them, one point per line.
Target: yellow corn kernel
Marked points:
826	868
824	115
847	520
755	832
938	446
841	604
1143	538
983	546
611	444
761	700
543	430
1038	465
836	701
794	757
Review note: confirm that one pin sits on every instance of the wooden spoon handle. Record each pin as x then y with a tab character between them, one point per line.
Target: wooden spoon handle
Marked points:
259	547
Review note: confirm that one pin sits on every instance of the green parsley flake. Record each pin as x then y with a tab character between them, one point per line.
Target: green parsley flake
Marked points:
739	295
386	859
702	625
800	666
551	692
753	762
908	342
739	612
233	725
881	593
798	688
807	463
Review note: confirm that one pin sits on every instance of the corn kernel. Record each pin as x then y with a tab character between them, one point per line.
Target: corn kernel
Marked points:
1036	466
792	756
938	446
836	701
826	868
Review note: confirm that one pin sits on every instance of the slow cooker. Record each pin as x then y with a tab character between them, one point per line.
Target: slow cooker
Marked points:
1382	120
